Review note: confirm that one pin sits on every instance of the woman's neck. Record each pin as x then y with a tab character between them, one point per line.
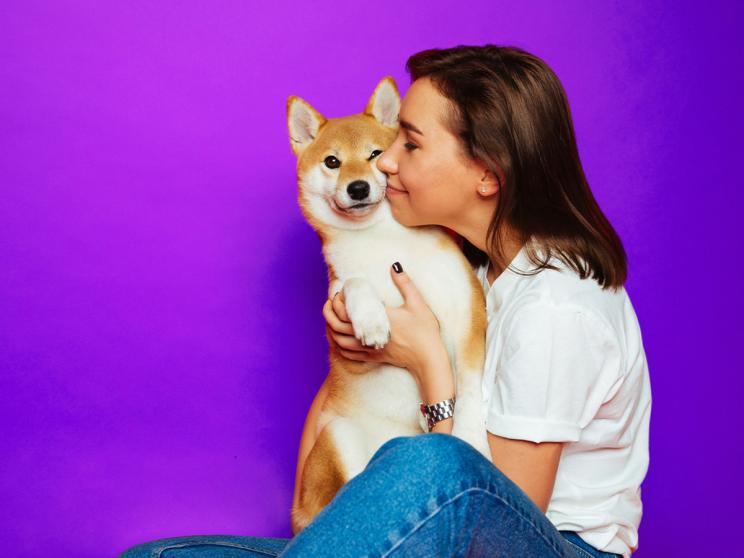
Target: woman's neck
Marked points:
511	244
511	249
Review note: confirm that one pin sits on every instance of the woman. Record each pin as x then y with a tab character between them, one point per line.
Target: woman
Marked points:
486	148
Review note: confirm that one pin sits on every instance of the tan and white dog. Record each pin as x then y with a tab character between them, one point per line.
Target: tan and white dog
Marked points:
342	195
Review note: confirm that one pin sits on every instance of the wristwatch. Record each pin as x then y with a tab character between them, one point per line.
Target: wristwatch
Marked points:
432	414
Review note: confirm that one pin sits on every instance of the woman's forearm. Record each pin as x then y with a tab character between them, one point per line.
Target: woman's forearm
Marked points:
436	383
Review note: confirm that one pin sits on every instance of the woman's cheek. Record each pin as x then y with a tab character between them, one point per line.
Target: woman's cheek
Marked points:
408	181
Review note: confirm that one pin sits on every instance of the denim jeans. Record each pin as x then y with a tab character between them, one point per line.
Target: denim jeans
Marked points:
428	495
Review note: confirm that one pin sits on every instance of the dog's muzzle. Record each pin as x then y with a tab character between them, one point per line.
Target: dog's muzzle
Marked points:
356	209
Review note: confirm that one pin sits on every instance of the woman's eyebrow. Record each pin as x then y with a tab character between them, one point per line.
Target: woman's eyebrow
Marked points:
408	126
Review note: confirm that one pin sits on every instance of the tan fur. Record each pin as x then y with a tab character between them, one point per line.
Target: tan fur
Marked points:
474	341
368	403
320	482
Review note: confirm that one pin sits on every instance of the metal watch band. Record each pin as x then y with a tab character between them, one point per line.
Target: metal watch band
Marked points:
437	411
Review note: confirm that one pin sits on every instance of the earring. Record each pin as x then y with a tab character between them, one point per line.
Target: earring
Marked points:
483	190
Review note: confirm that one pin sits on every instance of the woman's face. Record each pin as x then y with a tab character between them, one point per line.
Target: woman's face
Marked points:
430	180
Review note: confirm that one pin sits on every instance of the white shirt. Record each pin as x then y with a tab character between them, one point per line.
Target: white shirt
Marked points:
565	363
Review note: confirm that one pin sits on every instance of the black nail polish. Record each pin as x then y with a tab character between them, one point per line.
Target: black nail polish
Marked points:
397	267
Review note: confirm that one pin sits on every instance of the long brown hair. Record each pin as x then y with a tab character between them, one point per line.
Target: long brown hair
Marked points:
511	113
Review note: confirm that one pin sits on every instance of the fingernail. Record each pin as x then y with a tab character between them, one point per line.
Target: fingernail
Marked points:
397	267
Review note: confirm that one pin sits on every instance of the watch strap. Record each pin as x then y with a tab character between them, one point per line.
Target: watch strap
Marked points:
437	412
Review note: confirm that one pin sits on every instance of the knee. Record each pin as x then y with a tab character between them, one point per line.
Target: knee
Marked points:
438	448
432	453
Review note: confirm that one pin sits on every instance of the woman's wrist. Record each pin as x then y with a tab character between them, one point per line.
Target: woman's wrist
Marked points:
435	378
443	426
436	383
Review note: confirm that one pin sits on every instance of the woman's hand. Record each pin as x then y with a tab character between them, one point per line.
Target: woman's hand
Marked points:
414	330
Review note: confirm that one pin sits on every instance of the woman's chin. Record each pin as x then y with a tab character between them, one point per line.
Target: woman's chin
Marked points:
403	218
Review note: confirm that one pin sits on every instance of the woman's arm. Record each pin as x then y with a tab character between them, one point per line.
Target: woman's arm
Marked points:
436	383
417	346
529	465
309	436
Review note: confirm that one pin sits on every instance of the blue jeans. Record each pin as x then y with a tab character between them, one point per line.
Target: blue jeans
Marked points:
429	495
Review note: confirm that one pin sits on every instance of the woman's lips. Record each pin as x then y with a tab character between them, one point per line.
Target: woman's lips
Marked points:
394	191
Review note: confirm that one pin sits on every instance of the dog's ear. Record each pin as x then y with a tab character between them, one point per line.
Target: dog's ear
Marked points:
303	122
384	104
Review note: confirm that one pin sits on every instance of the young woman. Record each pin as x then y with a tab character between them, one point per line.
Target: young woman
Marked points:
486	148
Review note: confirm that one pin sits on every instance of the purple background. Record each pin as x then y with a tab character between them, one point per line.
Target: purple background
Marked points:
161	335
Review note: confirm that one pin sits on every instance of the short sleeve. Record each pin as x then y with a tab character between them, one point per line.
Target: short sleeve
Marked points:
557	365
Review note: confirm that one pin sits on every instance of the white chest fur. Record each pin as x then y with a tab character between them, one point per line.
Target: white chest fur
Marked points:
440	273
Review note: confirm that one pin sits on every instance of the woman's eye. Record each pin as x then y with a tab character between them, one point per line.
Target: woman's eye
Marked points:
331	162
375	153
409	146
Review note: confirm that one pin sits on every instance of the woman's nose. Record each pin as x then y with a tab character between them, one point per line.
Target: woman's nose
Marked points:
386	162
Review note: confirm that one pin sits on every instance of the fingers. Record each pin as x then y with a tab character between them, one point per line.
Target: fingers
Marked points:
342	332
333	320
405	284
368	355
348	342
339	306
351	348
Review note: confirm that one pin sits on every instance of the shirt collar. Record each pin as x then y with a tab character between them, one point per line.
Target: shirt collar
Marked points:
504	283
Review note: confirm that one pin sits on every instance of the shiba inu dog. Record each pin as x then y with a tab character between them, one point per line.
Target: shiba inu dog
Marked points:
342	196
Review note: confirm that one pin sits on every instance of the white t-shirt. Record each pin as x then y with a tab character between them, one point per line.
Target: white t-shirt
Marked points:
565	363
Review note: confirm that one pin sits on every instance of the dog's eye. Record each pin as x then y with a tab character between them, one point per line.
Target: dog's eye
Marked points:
375	153
331	162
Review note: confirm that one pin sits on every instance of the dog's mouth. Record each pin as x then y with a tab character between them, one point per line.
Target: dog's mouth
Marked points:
356	210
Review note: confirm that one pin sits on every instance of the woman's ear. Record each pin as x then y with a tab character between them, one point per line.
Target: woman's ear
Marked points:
490	183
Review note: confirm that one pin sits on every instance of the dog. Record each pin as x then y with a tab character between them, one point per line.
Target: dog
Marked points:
341	193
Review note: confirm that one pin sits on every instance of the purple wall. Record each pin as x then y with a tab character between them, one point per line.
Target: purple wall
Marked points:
161	335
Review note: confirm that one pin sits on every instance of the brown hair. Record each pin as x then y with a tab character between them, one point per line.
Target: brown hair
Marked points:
511	113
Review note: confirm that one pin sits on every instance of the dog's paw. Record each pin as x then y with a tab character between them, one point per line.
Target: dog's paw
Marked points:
370	323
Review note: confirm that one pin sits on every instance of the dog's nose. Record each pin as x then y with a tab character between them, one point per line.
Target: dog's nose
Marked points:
358	190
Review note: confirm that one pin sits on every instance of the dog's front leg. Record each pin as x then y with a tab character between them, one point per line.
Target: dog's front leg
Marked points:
366	313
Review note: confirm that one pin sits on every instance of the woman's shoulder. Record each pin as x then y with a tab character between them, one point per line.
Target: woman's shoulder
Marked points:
563	290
